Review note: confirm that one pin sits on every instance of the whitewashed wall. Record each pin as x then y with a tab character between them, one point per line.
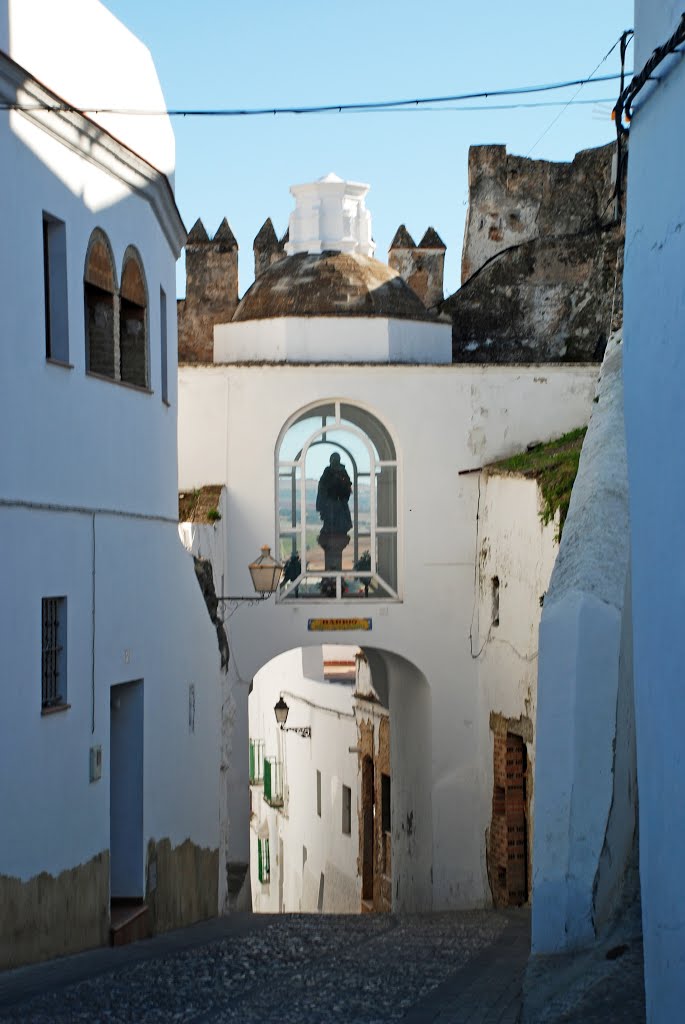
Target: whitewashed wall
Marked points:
585	771
79	52
514	546
655	432
329	340
88	492
327	708
443	419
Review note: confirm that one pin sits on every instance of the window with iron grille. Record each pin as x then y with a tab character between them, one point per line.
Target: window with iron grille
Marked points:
54	652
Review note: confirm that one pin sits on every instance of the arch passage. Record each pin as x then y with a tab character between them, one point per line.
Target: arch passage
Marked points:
337	476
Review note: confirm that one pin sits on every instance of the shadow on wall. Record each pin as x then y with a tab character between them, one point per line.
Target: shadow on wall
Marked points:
404	690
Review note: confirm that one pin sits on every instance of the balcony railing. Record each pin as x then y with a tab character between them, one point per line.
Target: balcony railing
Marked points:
256	761
273	782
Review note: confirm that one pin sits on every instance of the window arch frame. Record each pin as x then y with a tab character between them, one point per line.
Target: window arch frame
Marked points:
342	422
98	236
132	255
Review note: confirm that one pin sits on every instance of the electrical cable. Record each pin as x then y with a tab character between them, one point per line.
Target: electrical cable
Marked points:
381	105
590	78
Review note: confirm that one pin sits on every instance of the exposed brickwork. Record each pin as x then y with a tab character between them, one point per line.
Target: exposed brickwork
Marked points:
508	852
211	291
99	263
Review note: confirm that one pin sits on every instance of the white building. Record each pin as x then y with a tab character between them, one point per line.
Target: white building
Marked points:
304	835
655	435
331	352
109	741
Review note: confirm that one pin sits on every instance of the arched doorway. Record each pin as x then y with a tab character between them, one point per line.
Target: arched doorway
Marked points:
340	816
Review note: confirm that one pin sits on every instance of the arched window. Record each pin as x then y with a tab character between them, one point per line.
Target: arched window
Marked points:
99	288
337	506
133	321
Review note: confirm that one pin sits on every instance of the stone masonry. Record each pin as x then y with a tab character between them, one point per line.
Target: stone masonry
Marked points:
422	266
211	291
542	260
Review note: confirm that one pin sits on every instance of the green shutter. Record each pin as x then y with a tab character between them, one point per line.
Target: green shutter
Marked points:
267	779
252	774
267	862
259	860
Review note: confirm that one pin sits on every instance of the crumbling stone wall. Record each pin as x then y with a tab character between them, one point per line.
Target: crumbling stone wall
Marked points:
513	199
542	263
211	291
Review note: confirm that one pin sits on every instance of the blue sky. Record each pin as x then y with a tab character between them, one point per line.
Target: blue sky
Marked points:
230	53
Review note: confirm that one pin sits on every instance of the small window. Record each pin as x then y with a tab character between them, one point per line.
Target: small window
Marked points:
318	793
133	322
263	861
163	343
55	280
385	803
54	652
99	289
495	600
346	810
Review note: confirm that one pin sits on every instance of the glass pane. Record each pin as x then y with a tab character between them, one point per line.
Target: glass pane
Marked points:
312	586
356	586
386	496
365	587
289	498
386	557
370	426
291	446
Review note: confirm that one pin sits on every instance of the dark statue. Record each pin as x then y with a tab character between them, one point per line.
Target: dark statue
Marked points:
333	495
332	504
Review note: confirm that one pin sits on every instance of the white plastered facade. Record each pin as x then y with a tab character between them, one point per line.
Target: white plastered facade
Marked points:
655	434
88	492
443	420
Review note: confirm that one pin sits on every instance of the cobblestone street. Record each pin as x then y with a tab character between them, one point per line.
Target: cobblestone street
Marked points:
442	968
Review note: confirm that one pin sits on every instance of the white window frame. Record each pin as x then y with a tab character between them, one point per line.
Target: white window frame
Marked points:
300	532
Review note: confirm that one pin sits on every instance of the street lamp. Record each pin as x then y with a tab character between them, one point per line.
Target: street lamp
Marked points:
266	575
281	710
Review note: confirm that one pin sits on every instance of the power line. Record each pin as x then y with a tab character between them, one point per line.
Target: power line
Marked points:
331	108
590	78
494	106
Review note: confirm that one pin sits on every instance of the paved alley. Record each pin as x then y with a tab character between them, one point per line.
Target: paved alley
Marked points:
443	968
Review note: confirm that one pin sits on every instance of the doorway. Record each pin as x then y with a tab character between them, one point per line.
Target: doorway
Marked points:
127	868
508	839
368	808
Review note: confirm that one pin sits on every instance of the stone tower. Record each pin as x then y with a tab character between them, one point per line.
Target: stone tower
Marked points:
422	266
211	291
267	249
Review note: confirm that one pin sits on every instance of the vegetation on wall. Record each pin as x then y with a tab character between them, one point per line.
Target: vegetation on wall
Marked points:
554	465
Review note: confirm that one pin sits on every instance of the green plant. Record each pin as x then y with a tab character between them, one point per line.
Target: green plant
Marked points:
554	465
213	515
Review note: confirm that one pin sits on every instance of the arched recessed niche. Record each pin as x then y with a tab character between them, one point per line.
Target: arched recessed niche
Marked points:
336	488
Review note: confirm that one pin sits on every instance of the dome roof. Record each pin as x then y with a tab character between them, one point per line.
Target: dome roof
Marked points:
330	284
